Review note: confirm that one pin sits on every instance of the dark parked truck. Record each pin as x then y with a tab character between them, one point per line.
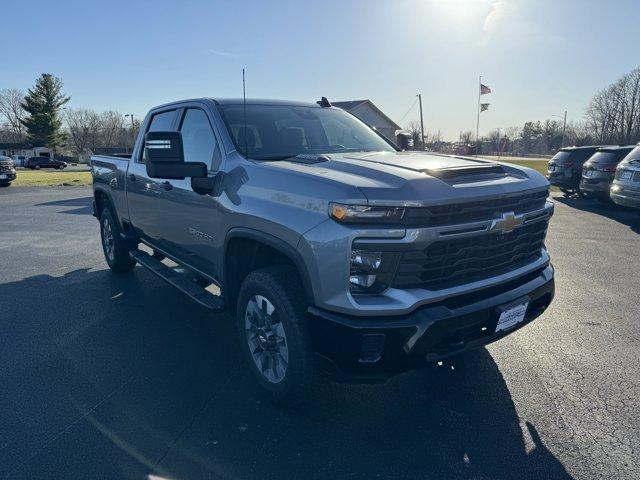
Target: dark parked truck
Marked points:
7	171
565	168
334	250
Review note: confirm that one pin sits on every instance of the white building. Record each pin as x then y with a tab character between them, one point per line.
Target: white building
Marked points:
20	151
366	111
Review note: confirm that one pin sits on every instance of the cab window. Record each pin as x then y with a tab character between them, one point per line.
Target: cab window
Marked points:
160	122
198	140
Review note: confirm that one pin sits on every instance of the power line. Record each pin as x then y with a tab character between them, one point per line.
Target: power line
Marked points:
410	108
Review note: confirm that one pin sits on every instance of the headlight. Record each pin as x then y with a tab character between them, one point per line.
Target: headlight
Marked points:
372	271
365	214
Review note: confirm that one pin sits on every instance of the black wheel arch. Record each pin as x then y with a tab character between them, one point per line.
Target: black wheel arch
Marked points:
232	277
102	199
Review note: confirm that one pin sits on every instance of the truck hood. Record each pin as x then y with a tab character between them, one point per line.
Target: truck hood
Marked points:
419	178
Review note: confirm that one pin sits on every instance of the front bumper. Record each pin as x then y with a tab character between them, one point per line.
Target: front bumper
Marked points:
625	196
374	348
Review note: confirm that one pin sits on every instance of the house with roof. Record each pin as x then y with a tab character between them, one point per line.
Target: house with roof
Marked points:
366	111
20	151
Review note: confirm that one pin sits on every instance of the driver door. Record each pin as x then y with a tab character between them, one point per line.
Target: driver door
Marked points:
188	227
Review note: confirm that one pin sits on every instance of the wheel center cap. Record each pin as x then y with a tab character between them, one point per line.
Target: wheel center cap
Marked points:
266	338
263	337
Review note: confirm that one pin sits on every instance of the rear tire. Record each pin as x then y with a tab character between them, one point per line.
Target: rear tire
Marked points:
115	248
274	336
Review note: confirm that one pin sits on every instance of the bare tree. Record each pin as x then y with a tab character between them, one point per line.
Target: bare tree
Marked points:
467	137
84	130
614	112
494	140
113	131
11	111
416	133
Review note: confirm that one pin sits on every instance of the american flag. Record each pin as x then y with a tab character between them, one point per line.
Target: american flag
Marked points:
484	106
484	89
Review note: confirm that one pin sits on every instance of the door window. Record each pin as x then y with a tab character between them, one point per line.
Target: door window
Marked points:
198	140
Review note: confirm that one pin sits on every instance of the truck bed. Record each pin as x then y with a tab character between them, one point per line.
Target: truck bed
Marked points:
109	172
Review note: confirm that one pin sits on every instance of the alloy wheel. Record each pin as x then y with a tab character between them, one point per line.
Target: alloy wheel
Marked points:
107	239
266	339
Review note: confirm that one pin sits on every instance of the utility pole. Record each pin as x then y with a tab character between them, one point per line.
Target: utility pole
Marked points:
478	119
564	126
421	121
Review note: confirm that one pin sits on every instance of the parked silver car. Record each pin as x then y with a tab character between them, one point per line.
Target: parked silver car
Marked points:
625	189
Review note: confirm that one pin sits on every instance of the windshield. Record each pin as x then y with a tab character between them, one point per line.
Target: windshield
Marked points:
275	132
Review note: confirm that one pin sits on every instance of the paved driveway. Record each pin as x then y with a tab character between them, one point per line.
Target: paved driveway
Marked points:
107	376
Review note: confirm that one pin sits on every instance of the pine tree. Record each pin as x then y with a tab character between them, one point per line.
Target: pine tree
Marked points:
42	104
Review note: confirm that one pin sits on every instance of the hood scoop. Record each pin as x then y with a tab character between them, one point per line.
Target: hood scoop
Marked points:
309	159
467	174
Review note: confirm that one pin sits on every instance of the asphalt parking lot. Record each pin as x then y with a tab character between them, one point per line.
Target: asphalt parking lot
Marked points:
106	376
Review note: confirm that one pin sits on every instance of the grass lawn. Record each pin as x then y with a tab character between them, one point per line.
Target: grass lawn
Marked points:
540	166
536	165
51	178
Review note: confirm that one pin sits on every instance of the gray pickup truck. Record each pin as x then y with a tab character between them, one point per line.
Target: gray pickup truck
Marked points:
335	250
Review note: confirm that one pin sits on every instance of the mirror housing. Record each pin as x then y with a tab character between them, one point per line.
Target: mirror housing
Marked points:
165	157
404	140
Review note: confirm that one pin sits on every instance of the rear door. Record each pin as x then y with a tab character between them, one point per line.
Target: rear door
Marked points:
143	192
190	221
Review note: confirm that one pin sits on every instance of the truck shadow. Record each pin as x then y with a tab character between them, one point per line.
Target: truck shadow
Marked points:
83	204
111	376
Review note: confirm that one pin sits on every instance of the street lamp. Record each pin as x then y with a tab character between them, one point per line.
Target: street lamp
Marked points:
132	129
564	125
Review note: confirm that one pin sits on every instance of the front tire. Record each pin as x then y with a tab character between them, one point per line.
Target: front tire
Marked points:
272	327
116	250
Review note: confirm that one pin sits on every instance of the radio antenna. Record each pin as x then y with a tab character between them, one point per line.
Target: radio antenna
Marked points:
244	113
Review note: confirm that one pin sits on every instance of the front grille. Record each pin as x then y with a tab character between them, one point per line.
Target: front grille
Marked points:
448	263
454	214
6	167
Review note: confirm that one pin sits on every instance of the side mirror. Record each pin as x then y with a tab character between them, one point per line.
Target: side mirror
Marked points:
404	141
165	157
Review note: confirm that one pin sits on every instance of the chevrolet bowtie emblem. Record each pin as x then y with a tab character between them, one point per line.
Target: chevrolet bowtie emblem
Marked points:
507	223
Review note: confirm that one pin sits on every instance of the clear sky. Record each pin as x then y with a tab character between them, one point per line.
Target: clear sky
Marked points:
540	57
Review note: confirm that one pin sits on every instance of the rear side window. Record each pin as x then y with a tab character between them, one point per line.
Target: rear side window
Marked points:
198	140
160	122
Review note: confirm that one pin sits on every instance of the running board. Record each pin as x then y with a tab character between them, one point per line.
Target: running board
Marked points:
182	283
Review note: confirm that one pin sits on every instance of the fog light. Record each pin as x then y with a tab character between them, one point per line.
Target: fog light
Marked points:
371	271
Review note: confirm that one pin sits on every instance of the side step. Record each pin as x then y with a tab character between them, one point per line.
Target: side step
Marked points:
182	283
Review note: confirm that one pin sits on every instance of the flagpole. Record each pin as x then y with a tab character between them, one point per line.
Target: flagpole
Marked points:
478	119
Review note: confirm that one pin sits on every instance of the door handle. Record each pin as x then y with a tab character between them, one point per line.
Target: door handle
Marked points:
166	185
132	177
